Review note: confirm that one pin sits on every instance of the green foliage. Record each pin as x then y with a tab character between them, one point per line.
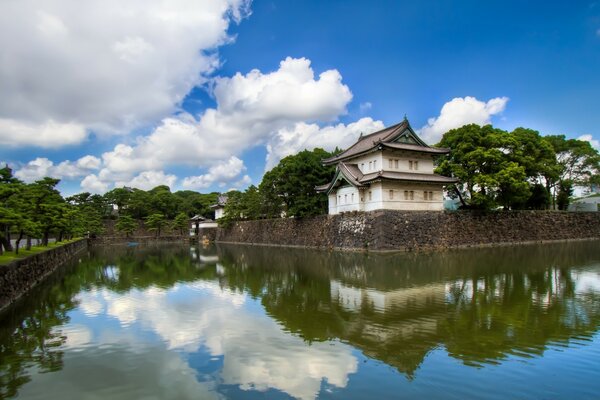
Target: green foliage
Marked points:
499	168
181	222
155	223
288	189
290	186
565	191
126	224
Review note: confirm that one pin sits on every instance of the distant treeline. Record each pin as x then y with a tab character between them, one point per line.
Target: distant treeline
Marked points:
37	210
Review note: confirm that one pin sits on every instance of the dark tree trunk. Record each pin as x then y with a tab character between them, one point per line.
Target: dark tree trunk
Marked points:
60	236
5	242
462	201
28	242
18	241
45	238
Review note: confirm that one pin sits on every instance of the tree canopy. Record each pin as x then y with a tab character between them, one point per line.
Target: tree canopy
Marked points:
514	170
288	189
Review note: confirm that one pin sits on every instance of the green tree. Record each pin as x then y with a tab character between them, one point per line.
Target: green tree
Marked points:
565	191
476	156
126	224
577	162
234	209
181	222
155	223
118	197
139	204
290	186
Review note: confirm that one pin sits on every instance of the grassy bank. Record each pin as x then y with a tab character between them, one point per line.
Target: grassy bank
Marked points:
9	256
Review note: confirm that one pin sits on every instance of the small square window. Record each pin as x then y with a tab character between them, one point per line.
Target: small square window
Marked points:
391	163
410	164
396	164
416	165
411	195
370	165
425	195
370	195
391	194
406	195
375	164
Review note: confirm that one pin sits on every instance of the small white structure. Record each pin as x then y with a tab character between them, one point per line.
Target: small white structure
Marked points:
390	169
219	208
198	222
588	203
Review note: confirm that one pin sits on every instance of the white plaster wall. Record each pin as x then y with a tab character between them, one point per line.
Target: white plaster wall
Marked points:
219	213
425	162
372	157
343	201
376	202
382	162
418	203
347	199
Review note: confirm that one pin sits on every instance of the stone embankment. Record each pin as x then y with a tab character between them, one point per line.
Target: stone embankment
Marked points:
414	230
18	277
142	240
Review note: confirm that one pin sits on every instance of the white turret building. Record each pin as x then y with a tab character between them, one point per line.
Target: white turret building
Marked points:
391	169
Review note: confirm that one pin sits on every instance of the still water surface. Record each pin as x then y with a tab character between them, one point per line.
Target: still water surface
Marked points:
255	322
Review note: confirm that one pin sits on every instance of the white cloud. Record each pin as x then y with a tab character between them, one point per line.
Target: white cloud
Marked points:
42	167
589	138
461	111
92	184
221	174
147	180
217	321
250	109
364	107
302	136
107	66
48	134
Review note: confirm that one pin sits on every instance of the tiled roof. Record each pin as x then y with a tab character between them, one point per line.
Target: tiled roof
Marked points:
353	175
385	137
367	142
407	176
416	147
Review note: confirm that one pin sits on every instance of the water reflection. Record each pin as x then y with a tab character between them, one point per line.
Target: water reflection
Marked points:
230	320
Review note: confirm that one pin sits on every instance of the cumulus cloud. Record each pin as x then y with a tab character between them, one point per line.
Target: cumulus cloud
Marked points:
147	180
302	136
218	321
589	138
250	109
222	174
105	66
461	111
92	184
47	134
42	167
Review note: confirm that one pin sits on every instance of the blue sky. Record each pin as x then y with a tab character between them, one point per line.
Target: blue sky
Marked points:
206	95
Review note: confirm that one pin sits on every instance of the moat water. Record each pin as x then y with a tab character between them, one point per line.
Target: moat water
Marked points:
258	322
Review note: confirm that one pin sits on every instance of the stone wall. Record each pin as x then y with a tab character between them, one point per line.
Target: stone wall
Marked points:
150	239
20	276
412	230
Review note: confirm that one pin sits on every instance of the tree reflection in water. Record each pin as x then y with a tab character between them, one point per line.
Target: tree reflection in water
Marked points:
481	305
